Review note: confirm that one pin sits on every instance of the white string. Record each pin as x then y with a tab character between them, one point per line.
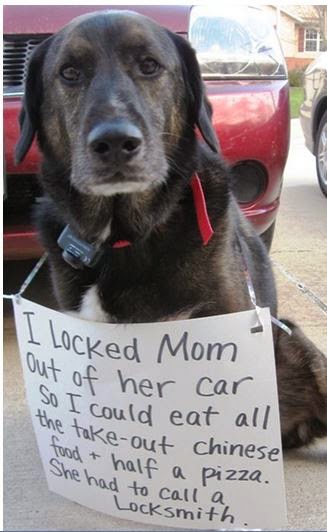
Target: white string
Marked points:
250	287
28	279
281	325
259	327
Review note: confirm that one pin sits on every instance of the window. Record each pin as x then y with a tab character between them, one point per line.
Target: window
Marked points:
312	41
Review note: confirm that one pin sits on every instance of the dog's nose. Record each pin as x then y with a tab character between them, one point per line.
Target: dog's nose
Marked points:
118	139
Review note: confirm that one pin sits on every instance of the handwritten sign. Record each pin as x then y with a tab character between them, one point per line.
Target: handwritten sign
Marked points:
172	423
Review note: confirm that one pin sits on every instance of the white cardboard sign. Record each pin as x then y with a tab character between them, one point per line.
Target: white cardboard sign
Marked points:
172	423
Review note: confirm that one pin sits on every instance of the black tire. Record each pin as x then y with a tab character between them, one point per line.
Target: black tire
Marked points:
268	235
321	153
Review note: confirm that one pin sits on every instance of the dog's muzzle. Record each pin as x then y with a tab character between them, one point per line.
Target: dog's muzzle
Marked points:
115	142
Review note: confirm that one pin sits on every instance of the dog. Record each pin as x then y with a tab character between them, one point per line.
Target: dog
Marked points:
115	101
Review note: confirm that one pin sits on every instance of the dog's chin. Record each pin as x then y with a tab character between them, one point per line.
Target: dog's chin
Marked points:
123	187
127	186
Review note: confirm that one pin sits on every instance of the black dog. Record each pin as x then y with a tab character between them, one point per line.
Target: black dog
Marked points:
114	100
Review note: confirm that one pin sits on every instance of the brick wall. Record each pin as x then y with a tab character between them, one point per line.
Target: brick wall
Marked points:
297	63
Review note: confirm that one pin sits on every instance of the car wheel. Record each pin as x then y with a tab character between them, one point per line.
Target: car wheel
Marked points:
321	154
267	236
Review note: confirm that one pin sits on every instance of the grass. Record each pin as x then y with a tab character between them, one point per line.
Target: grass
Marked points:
296	99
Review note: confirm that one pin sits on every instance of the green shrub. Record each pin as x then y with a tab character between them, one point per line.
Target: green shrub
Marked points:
296	100
295	77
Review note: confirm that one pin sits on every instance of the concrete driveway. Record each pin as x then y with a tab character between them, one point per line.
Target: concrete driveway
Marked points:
300	255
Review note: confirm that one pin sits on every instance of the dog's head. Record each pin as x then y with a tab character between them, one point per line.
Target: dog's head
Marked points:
112	96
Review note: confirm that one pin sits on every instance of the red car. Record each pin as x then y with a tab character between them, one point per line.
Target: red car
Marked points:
246	80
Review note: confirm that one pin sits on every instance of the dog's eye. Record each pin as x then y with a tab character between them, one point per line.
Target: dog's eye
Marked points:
70	73
149	66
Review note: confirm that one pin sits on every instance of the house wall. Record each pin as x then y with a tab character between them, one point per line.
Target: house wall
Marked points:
290	34
297	63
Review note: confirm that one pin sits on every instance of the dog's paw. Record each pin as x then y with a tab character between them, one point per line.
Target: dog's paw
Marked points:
302	388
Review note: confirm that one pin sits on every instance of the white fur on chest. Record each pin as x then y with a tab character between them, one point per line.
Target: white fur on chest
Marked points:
91	309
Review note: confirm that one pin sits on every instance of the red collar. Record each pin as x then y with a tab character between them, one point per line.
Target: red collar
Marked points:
121	244
201	212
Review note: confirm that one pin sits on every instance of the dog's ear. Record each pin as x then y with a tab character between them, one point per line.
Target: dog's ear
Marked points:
29	115
199	103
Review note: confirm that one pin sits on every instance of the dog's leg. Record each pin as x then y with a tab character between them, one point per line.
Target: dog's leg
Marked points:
302	388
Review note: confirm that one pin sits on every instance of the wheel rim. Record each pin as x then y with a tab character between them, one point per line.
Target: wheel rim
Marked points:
322	155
